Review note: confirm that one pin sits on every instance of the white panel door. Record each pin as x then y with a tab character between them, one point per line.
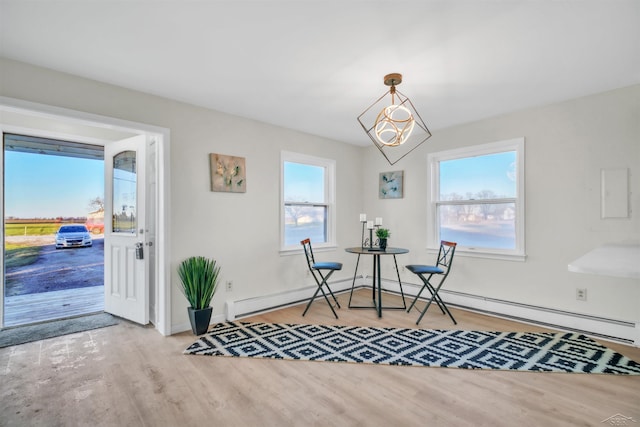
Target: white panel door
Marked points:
126	261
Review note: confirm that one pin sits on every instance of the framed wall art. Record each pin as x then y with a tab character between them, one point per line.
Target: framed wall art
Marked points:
228	173
391	185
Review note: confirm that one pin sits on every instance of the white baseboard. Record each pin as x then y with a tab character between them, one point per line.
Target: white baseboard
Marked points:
627	332
263	304
266	303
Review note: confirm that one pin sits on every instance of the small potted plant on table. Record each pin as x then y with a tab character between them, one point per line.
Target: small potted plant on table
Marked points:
383	234
199	279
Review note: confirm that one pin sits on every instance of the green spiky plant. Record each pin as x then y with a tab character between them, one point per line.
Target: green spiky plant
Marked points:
383	233
199	277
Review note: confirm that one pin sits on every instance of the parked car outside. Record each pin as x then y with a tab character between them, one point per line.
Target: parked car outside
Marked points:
73	236
95	222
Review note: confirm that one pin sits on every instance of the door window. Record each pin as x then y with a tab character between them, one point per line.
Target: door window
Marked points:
124	193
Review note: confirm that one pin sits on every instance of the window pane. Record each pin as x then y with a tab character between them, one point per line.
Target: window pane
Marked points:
124	192
301	222
303	183
491	176
479	225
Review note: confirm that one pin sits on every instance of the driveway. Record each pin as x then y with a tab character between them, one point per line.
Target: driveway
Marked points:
56	270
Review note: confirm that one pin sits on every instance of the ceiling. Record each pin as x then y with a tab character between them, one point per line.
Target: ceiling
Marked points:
52	147
315	65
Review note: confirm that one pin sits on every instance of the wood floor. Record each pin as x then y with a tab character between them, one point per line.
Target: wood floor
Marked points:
128	375
40	307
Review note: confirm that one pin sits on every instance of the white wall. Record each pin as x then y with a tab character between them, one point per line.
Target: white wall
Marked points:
240	230
566	145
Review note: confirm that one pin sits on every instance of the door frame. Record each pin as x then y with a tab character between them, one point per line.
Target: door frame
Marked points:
161	135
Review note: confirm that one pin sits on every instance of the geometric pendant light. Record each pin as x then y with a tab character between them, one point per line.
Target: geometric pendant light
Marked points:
392	122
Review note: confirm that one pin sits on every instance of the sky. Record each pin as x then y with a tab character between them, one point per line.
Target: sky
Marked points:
495	172
43	186
303	182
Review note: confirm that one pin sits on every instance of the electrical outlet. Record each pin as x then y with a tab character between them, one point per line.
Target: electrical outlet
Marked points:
229	286
581	294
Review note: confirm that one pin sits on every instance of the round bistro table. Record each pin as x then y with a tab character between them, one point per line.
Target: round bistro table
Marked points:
377	281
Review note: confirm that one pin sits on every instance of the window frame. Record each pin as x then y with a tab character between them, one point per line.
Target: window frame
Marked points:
434	202
329	165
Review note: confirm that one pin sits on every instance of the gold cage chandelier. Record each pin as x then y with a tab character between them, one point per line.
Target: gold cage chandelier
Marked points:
394	125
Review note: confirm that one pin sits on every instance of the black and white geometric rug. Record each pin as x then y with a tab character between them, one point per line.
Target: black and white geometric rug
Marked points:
527	351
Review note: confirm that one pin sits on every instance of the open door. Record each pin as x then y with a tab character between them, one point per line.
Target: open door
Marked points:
126	236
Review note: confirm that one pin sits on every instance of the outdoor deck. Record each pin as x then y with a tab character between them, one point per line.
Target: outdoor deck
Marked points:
40	307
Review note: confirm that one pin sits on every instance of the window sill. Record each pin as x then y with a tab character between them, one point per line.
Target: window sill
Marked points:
316	249
467	253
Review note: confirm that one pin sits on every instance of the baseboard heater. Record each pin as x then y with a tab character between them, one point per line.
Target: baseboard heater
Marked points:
625	332
609	329
263	304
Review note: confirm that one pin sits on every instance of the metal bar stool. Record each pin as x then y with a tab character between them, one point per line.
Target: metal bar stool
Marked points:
441	269
316	269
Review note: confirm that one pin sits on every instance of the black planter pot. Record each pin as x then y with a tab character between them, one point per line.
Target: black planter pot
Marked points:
200	319
383	244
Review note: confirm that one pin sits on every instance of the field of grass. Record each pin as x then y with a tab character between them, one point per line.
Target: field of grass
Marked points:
19	255
31	229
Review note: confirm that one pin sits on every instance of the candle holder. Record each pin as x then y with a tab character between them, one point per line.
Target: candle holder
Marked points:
363	242
368	243
375	246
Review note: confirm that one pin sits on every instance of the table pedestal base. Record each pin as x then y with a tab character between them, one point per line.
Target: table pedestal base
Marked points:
377	283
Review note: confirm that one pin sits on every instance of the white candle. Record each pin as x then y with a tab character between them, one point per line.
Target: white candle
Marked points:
369	224
363	217
378	221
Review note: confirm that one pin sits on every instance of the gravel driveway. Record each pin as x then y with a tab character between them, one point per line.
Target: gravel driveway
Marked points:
54	269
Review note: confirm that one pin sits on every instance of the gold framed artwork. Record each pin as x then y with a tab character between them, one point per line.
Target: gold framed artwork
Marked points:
391	185
228	173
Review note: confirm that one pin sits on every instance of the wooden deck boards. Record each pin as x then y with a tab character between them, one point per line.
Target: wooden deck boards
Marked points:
40	307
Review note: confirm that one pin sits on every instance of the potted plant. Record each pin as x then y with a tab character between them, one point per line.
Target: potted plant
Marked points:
383	234
199	279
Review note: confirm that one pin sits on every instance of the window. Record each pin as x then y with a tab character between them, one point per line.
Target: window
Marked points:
307	201
476	199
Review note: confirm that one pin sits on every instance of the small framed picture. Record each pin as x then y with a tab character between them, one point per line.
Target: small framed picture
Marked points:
391	185
228	173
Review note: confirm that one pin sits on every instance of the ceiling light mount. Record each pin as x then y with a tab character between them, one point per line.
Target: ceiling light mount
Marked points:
396	128
393	79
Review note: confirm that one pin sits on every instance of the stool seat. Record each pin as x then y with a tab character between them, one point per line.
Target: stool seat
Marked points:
327	266
422	269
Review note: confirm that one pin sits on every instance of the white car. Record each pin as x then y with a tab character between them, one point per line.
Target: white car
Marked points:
73	236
